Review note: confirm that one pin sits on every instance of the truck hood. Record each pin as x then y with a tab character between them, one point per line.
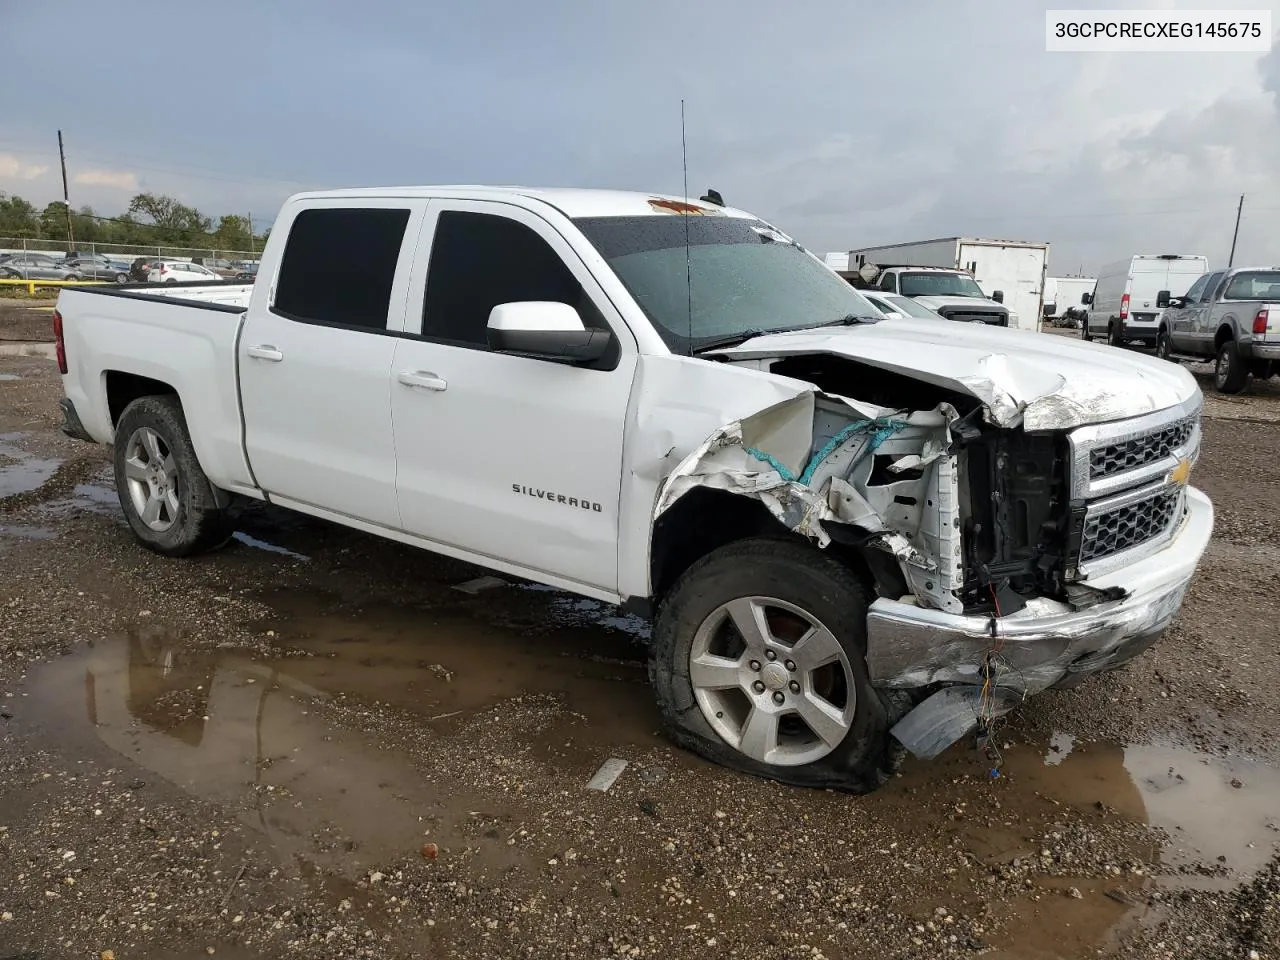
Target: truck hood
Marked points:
1036	380
974	303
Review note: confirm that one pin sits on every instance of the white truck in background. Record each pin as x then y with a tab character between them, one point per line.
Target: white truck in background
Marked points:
1064	299
855	534
1011	272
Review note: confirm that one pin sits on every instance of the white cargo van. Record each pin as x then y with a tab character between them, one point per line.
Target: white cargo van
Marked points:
1123	307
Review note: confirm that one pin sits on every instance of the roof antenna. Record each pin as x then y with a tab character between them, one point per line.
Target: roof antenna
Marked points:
688	257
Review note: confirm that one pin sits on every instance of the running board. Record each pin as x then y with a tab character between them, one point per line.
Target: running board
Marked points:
1189	358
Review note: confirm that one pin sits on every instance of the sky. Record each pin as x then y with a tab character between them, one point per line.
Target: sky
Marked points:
845	124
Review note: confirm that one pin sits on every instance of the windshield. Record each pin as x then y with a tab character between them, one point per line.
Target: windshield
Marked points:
915	284
911	308
1254	285
739	276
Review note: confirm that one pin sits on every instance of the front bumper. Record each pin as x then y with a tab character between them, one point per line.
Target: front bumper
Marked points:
1046	644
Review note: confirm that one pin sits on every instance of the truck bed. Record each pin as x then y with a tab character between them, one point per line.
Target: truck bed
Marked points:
183	336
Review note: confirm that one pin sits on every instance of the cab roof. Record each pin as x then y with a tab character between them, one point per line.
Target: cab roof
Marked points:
572	202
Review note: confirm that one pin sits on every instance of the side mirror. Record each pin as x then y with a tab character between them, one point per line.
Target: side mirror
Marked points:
545	330
1163	299
1086	298
998	296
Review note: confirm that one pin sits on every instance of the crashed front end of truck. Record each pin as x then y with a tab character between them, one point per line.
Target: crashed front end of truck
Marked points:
1015	545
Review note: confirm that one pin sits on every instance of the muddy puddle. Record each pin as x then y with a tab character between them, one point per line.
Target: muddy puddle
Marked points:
20	472
9	376
338	748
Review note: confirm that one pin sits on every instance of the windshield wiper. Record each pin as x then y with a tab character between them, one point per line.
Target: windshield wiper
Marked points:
848	320
731	340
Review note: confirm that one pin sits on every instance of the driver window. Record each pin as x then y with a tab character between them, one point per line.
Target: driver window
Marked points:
1192	295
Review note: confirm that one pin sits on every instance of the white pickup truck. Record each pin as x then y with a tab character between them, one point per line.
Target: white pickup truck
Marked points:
853	534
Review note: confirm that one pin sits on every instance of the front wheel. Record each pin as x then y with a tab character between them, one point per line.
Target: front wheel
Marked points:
1164	346
759	664
122	278
169	502
1229	372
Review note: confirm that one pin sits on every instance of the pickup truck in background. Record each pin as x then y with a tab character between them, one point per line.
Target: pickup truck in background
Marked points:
953	294
854	533
1232	316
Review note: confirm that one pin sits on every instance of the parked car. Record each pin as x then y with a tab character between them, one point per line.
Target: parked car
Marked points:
99	267
561	415
1122	306
223	268
248	273
179	271
1232	316
897	306
37	266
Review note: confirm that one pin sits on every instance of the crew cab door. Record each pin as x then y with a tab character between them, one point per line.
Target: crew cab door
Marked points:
505	456
315	358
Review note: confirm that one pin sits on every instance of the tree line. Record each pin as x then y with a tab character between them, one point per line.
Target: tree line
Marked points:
150	220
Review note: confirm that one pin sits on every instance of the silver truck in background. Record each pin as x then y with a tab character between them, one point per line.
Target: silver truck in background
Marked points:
1232	316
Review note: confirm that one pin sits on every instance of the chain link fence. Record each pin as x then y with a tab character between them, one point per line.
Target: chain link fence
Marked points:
123	251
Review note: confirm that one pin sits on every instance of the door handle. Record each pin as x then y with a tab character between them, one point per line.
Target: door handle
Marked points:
265	351
421	378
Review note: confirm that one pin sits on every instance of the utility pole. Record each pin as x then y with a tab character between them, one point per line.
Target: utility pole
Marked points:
251	253
1240	209
66	197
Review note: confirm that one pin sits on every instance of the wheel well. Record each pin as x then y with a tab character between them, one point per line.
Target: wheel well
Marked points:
124	388
1222	336
704	520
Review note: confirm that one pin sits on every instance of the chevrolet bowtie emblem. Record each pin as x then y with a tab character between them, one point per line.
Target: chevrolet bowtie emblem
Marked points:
1181	473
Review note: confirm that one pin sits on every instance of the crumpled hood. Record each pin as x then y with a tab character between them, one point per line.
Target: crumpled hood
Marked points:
1041	381
972	303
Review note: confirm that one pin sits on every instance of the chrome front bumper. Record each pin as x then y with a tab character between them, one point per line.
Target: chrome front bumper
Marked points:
1046	644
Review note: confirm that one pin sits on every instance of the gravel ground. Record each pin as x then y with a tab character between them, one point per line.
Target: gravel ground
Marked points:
311	744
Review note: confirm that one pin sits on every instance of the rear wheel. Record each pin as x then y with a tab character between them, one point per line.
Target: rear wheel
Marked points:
759	664
169	502
1114	334
1084	330
1229	373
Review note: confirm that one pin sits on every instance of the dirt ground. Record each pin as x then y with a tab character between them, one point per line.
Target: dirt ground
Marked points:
314	744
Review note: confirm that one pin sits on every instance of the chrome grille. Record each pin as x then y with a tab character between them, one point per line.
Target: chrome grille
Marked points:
1139	451
1110	531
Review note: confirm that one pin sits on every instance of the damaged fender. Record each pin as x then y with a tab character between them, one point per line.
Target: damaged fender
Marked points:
817	459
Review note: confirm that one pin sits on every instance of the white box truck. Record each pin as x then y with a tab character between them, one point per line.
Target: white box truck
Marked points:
1016	268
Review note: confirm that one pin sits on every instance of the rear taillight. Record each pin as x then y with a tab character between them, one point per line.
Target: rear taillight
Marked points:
60	345
1124	307
1260	322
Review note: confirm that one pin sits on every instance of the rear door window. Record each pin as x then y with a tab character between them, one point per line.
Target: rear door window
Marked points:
339	265
1211	286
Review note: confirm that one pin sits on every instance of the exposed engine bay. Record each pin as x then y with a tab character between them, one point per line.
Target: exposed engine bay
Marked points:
977	516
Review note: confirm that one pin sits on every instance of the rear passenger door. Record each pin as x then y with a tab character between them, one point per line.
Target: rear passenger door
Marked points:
501	456
315	358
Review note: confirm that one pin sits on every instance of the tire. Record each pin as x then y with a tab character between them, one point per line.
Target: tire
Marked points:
1164	346
122	278
1114	336
795	582
171	280
1229	371
153	431
1085	335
